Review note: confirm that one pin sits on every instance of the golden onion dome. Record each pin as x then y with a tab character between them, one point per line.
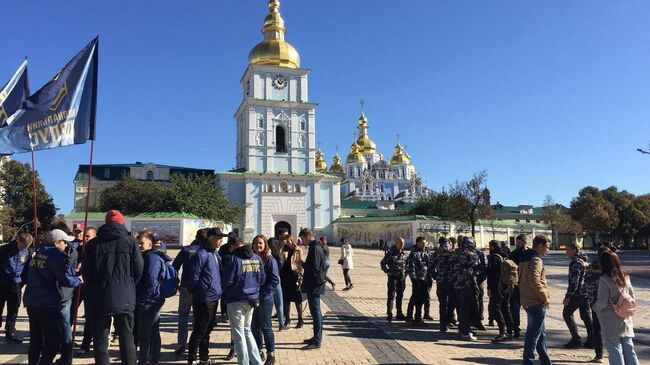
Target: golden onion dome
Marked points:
273	49
355	155
336	167
321	165
366	145
400	157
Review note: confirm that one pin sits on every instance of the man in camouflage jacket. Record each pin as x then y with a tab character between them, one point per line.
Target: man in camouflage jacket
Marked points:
441	271
394	264
417	268
465	265
576	298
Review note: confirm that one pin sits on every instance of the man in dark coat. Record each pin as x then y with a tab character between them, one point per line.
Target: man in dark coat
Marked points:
14	260
112	265
313	284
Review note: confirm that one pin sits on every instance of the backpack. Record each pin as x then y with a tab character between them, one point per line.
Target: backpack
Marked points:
625	305
509	275
169	283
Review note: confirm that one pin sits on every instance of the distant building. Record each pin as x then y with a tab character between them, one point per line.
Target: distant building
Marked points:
105	176
368	177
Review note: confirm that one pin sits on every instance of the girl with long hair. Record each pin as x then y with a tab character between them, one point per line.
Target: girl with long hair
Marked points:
261	326
290	277
617	332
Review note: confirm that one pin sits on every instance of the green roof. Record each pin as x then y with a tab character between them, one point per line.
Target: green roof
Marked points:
513	209
101	215
386	219
244	171
372	204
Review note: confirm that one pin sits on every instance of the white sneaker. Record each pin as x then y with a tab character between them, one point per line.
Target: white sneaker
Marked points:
469	337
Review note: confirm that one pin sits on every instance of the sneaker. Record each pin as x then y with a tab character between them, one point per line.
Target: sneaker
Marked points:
443	330
283	328
308	341
480	327
180	349
573	344
270	360
490	323
468	337
452	324
428	317
419	323
207	362
312	346
83	351
262	355
351	286
500	338
517	334
400	317
12	337
597	360
299	324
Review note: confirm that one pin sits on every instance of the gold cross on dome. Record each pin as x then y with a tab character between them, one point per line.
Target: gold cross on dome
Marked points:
363	103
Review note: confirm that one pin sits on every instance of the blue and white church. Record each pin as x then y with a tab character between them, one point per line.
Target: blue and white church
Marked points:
275	179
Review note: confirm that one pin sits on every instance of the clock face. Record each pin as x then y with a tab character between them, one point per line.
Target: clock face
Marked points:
279	82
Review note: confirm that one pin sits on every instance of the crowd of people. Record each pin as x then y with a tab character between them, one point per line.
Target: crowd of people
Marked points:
123	279
599	289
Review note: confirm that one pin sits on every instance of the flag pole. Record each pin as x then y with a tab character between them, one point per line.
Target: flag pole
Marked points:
34	196
77	296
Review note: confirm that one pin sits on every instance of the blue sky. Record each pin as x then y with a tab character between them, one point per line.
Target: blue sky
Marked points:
547	96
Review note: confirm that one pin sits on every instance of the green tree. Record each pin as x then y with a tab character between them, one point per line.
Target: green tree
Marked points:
199	195
594	212
202	196
472	199
631	216
440	205
16	194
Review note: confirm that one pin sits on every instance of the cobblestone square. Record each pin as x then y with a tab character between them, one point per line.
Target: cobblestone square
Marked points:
356	331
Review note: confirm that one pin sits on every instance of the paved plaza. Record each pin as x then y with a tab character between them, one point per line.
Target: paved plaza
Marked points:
356	331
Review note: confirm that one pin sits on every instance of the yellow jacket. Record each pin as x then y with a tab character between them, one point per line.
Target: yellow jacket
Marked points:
533	287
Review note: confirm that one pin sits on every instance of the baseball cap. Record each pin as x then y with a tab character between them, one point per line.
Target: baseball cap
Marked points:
77	228
216	232
56	235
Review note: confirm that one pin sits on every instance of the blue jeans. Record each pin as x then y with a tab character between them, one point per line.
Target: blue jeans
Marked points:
262	325
66	345
621	351
314	308
536	336
279	305
149	332
184	309
240	315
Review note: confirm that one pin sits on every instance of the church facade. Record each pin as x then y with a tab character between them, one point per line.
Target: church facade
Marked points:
275	179
368	177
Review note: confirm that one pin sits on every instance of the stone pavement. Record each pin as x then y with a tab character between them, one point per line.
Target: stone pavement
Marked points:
356	331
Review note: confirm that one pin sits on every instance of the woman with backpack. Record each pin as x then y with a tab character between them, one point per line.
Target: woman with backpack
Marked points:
150	299
615	306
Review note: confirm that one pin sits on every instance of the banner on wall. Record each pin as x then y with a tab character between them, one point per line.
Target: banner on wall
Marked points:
169	231
368	234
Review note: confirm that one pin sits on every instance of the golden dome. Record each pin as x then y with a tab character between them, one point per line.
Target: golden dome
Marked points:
400	157
321	165
336	167
355	155
366	145
274	50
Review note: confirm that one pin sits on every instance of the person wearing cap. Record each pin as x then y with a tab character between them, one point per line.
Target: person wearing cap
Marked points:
48	273
184	297
14	260
150	300
84	348
313	285
111	266
202	279
243	275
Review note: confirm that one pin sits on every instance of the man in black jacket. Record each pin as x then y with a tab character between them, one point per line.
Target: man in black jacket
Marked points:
515	304
313	284
112	265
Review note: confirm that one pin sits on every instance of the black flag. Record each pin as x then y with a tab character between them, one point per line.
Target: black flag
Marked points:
61	113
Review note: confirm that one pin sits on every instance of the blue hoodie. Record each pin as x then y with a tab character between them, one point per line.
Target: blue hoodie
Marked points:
242	276
201	276
185	253
13	262
48	272
272	278
148	288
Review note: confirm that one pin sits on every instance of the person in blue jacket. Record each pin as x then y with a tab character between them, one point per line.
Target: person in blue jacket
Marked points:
48	273
202	279
149	301
243	275
262	326
14	259
184	297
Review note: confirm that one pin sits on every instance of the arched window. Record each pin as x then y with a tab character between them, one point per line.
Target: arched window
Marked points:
297	188
150	175
260	122
284	187
280	139
303	125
